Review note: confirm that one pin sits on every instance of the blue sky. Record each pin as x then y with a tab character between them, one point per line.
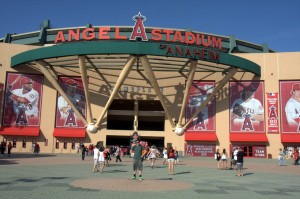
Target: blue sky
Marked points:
274	22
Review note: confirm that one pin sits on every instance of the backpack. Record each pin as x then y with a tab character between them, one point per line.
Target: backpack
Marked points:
171	154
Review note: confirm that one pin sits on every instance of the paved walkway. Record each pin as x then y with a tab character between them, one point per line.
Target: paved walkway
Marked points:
67	176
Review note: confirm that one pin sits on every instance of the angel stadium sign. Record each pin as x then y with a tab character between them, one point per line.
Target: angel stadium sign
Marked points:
184	39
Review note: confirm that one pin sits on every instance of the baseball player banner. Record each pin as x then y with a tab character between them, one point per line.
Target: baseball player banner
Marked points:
272	100
65	115
247	106
193	149
205	120
1	95
290	106
22	106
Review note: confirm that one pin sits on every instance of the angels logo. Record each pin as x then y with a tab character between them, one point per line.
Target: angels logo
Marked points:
71	120
139	28
247	125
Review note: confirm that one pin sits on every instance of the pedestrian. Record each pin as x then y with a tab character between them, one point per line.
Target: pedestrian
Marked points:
96	157
296	156
78	148
171	160
101	159
152	155
2	148
165	154
138	155
240	162
36	148
118	154
9	147
107	156
281	156
224	159
176	154
218	157
83	151
233	158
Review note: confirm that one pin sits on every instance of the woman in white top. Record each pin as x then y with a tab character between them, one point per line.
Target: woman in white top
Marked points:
152	155
165	153
96	156
224	159
101	159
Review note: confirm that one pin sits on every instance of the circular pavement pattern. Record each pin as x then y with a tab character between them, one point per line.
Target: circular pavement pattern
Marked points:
131	185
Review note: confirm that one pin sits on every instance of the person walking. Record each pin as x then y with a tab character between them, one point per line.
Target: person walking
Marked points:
176	158
152	155
233	158
118	154
96	157
83	151
107	156
171	160
9	147
138	152
165	154
240	162
36	148
296	156
281	156
101	159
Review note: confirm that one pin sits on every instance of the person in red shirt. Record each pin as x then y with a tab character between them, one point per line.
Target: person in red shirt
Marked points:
296	156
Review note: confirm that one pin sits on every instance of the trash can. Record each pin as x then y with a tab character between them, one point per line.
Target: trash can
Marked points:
269	156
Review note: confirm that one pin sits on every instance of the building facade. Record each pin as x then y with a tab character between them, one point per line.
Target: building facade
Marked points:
196	91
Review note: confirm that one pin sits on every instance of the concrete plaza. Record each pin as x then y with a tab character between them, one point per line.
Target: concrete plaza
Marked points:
67	176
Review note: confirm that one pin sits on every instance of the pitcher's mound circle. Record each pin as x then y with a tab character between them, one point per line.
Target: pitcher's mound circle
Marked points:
130	185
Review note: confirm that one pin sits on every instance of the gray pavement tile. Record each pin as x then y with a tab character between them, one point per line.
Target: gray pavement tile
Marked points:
232	188
271	193
206	191
20	188
288	189
57	185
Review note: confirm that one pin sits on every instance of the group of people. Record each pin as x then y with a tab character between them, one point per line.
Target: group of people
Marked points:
138	153
285	154
236	162
3	148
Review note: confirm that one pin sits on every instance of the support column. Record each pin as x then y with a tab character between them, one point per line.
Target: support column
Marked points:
84	77
150	75
42	65
136	121
124	73
193	66
209	97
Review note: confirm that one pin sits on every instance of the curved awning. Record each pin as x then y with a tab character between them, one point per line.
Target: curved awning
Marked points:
159	57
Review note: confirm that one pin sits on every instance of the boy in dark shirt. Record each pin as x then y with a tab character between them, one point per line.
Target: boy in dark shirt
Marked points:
240	162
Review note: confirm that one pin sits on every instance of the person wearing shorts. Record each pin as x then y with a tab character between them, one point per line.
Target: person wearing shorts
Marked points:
138	152
96	156
240	162
171	160
101	159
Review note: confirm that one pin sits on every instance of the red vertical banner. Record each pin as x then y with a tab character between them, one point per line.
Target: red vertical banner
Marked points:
205	120
22	106
65	116
272	100
1	96
247	107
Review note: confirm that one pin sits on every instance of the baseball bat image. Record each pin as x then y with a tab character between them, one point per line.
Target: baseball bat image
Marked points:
15	81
